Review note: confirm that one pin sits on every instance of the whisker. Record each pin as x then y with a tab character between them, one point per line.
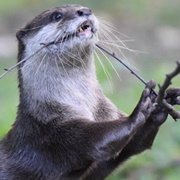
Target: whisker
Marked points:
63	67
109	31
105	71
111	26
33	28
109	63
40	64
119	49
67	61
20	62
116	37
57	65
122	47
105	36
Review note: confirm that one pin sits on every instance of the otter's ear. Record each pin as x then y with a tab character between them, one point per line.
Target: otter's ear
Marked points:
20	34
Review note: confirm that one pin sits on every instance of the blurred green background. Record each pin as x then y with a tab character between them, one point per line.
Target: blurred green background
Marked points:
155	28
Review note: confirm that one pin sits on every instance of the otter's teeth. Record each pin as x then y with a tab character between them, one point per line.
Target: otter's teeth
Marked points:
89	28
81	29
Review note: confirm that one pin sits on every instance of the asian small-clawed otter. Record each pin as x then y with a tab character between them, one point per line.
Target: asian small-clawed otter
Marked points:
66	128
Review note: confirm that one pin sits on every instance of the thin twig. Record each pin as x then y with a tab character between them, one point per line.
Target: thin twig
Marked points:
7	70
161	99
14	66
121	61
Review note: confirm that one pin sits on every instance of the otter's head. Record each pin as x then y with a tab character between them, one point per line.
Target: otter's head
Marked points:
69	30
55	50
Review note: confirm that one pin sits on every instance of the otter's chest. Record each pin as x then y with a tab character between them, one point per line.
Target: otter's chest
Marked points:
80	95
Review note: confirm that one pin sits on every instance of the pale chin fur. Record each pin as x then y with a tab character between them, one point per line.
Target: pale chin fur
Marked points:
47	34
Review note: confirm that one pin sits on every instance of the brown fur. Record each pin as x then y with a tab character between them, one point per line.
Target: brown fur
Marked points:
65	127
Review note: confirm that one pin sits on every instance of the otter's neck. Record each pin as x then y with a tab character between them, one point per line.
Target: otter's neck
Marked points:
50	88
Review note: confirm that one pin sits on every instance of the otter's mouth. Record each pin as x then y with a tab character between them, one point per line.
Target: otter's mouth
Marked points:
86	29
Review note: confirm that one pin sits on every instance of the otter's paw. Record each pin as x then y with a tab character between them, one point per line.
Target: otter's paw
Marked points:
159	115
145	105
173	96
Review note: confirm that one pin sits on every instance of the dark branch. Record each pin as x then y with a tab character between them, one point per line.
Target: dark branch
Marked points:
164	93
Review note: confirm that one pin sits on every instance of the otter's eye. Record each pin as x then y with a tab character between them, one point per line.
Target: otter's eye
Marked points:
56	17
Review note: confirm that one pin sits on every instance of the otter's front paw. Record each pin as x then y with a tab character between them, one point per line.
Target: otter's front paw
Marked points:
159	114
145	105
173	96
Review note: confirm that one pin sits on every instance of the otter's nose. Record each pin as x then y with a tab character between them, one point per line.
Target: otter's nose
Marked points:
84	12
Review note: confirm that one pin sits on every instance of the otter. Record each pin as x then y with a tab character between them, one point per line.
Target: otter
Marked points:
66	128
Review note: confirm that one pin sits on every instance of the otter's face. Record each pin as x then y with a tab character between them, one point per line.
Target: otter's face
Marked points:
56	51
61	29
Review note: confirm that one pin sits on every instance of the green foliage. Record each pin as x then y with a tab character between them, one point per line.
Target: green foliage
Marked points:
9	5
8	100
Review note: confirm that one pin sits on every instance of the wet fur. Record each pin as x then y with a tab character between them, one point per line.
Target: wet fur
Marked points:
65	127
